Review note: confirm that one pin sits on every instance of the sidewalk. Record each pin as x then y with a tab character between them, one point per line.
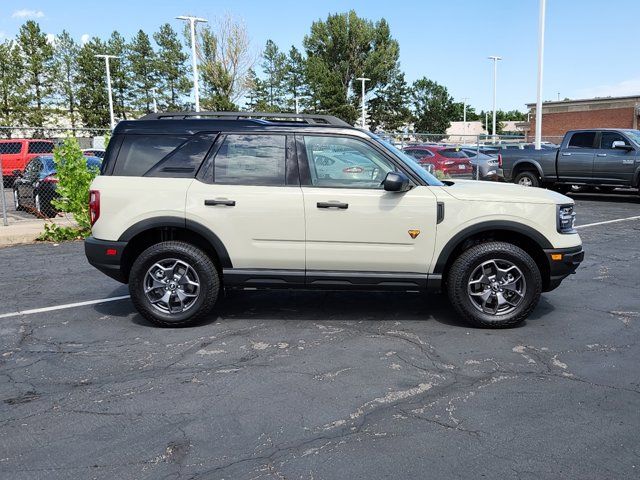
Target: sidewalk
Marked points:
21	230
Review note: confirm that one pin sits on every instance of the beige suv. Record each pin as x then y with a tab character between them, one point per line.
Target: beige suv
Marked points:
190	203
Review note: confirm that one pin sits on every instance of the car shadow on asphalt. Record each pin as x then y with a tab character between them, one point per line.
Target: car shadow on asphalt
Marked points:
296	306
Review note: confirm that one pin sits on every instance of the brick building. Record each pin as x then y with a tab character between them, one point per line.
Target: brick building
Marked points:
607	112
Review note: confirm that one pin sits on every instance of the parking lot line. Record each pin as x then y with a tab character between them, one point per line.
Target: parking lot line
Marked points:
62	307
637	217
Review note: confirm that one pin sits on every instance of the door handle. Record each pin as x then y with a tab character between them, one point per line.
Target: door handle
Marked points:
340	205
224	202
566	154
601	154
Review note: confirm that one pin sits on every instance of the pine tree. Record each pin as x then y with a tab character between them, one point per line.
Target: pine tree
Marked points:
274	65
389	109
66	64
142	63
38	61
13	103
120	79
93	101
257	93
173	82
295	81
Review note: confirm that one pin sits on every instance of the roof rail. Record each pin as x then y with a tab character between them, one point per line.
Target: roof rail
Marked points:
308	118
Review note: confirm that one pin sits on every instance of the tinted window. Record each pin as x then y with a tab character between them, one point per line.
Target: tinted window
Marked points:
185	160
582	140
345	162
139	153
251	160
453	153
10	147
33	168
40	147
609	137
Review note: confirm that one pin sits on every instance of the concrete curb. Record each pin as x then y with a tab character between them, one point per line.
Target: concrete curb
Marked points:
27	231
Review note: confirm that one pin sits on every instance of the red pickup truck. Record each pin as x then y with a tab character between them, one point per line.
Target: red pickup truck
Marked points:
15	153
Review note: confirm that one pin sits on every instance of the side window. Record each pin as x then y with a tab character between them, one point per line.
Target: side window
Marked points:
608	138
582	140
139	153
345	162
10	148
186	159
32	170
251	160
40	147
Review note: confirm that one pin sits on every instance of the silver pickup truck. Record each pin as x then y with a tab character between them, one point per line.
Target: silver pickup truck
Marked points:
606	158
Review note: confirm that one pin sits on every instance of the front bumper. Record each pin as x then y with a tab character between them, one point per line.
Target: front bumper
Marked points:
106	256
562	263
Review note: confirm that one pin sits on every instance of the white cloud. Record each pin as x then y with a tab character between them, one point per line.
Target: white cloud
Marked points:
84	38
51	39
25	13
620	89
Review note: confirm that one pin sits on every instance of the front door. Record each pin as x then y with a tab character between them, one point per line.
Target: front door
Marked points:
246	200
614	165
352	223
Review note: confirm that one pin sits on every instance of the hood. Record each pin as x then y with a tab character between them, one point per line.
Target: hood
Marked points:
475	190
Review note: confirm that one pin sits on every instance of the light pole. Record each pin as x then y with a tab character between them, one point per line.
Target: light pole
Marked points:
155	102
297	104
192	25
364	112
495	78
106	62
538	139
464	115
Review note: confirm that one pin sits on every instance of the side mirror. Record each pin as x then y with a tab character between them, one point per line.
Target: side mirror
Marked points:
16	173
619	144
396	182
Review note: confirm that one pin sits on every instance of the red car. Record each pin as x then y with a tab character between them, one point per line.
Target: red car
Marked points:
15	153
449	160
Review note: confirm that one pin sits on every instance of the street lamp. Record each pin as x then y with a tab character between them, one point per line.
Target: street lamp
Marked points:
538	139
106	62
495	76
192	25
464	116
364	112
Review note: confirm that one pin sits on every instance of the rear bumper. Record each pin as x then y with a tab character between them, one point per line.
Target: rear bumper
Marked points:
562	263
106	256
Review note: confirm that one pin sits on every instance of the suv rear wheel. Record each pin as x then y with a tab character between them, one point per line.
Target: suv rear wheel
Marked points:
494	285
174	284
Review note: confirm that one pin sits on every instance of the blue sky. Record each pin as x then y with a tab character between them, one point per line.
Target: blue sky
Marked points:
591	46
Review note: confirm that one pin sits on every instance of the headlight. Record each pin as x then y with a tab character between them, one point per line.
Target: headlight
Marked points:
566	219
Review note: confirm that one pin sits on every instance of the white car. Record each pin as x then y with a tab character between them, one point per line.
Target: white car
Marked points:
190	203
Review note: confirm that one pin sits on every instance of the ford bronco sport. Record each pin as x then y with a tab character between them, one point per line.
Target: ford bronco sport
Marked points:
189	204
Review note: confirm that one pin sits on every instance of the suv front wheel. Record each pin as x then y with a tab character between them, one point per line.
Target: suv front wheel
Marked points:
494	285
174	284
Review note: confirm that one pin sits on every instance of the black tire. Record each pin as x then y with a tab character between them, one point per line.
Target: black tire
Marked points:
200	262
464	266
527	178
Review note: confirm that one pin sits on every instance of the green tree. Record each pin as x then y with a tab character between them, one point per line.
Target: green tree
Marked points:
37	55
274	64
172	70
13	104
433	107
65	67
472	115
120	78
389	108
257	93
93	102
295	79
341	49
142	64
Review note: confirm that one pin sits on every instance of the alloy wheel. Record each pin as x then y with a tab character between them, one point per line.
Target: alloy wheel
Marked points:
496	287
172	286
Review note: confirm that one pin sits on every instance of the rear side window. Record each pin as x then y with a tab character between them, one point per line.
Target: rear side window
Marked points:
453	153
582	140
139	153
10	147
185	160
251	160
40	147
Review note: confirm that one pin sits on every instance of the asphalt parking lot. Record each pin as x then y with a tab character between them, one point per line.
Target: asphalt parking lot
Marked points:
323	385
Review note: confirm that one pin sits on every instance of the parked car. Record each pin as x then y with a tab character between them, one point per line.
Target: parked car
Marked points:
451	161
488	166
190	203
603	158
35	188
94	152
16	153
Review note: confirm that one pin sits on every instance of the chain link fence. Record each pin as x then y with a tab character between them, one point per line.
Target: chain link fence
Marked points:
27	171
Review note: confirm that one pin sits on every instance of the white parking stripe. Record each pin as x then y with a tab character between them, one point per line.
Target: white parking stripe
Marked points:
62	307
608	221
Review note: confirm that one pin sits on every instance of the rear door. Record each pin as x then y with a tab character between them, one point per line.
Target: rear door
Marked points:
249	196
614	165
576	158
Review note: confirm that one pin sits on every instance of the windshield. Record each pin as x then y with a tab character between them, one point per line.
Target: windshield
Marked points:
410	162
634	135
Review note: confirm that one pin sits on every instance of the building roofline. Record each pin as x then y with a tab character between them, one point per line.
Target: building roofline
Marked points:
586	100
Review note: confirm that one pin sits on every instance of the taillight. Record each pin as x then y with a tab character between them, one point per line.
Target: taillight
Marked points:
94	205
50	179
353	170
500	160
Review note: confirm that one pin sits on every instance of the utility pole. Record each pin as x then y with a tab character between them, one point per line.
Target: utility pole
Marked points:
155	102
495	77
106	62
558	96
297	104
538	139
464	115
194	60
364	111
